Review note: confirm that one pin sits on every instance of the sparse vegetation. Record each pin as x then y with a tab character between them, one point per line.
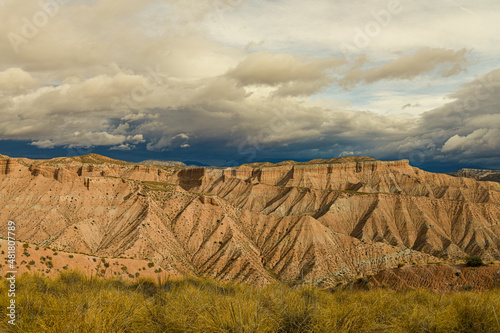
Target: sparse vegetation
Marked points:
474	261
159	186
204	305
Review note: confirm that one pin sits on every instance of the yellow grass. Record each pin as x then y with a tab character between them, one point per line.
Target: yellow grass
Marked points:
75	303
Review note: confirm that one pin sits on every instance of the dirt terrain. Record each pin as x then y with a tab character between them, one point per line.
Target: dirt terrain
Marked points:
322	221
436	277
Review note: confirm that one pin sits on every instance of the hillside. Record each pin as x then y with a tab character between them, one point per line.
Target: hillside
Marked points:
164	163
323	221
478	174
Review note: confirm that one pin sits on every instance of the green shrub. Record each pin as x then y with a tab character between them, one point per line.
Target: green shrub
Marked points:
474	261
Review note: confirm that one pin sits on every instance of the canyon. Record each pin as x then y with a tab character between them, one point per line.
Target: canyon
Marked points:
322	221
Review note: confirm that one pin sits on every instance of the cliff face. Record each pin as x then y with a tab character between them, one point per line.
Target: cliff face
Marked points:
478	174
323	221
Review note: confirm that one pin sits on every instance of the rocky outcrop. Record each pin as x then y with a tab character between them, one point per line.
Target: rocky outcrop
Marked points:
478	174
12	168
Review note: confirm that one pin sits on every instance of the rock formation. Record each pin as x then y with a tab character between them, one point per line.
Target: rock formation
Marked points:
323	221
478	174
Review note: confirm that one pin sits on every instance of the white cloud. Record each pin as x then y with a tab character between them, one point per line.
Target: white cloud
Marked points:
123	147
16	80
480	140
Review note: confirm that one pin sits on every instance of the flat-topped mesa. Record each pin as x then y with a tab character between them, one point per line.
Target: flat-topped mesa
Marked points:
320	175
479	174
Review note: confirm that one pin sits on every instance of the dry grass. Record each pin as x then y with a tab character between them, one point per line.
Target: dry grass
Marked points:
75	303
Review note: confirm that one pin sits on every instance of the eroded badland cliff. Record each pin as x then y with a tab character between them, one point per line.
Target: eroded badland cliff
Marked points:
321	221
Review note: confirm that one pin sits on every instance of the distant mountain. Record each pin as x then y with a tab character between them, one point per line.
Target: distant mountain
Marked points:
164	163
194	163
479	174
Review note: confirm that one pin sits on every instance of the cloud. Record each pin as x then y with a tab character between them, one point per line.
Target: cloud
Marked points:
424	61
172	74
16	80
481	140
179	140
123	147
138	138
346	153
464	130
45	144
293	75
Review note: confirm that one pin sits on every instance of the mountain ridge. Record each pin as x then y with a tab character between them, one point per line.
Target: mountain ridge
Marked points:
320	222
479	174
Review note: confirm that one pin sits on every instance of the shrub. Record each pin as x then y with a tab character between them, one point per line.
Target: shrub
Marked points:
195	304
151	264
26	245
71	256
474	261
362	280
400	264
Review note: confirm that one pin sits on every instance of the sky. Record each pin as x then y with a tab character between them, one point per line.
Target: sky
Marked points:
227	82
